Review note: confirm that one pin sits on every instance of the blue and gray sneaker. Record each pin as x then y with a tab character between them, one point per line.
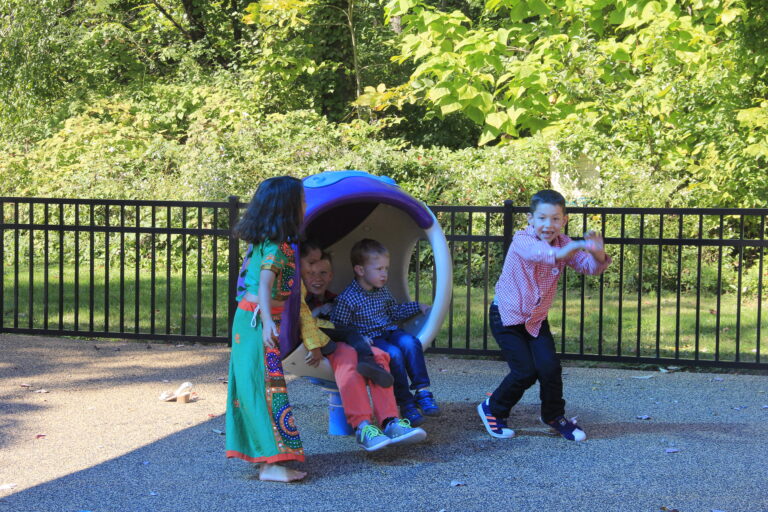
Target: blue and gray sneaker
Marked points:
427	403
566	428
370	437
410	412
400	431
497	427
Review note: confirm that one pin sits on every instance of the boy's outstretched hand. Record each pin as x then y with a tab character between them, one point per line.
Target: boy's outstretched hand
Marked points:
593	244
424	308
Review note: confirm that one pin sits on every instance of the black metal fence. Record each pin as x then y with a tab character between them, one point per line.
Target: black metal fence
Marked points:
152	270
685	286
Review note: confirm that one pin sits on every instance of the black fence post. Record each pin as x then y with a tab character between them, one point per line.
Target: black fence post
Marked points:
234	247
507	225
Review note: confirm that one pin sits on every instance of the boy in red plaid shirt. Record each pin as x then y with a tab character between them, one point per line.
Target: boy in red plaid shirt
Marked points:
518	314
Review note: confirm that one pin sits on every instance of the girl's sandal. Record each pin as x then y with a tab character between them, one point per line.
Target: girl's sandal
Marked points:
181	395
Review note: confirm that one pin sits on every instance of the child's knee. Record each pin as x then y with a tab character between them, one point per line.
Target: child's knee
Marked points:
408	342
344	374
530	380
550	371
526	377
380	356
395	357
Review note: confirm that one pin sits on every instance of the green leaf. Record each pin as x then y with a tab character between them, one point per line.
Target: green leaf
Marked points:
621	54
502	35
475	114
759	150
663	92
519	11
492	5
729	15
437	93
496	119
598	25
450	107
487	136
514	113
539	7
468	93
650	11
617	17
404	6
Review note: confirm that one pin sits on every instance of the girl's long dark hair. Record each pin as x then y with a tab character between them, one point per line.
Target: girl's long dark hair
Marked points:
274	213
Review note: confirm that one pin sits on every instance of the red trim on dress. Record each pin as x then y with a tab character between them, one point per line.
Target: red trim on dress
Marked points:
232	454
247	305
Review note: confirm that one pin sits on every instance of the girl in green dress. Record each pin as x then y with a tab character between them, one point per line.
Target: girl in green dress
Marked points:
260	423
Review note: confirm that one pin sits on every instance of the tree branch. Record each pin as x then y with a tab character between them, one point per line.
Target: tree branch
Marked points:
170	18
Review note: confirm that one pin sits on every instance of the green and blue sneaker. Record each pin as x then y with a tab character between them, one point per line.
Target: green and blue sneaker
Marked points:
370	437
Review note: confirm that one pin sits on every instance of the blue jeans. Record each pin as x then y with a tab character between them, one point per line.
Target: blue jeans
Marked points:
406	361
529	358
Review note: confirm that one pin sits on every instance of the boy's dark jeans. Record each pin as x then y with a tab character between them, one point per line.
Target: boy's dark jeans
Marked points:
352	338
406	359
529	358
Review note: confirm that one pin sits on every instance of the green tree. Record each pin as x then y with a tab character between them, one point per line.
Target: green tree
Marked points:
530	64
667	78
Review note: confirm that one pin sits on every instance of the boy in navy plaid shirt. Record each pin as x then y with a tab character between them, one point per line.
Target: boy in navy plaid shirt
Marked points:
368	306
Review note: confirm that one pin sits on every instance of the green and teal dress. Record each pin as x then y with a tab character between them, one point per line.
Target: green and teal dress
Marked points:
260	423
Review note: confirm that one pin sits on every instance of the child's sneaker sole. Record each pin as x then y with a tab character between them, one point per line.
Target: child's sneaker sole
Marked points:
489	429
376	373
416	435
378	446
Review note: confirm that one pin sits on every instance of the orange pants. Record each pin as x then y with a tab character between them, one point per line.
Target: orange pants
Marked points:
352	387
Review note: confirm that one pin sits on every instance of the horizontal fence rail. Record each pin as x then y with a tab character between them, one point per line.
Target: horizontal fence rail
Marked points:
685	286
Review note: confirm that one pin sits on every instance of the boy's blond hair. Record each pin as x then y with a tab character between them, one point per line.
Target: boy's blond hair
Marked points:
364	249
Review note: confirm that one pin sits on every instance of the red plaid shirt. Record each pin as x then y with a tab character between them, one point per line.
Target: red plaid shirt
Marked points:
528	281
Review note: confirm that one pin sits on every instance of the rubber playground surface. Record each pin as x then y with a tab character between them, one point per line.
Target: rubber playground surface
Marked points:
82	429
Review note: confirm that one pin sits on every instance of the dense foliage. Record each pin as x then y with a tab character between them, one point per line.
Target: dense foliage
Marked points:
200	99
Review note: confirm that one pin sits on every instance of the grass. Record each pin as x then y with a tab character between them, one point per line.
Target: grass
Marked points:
172	308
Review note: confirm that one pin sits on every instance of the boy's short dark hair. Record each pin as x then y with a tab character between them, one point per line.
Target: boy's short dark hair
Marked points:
364	249
327	257
547	196
308	246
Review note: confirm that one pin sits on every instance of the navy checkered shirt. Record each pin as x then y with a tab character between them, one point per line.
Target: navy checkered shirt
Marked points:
373	312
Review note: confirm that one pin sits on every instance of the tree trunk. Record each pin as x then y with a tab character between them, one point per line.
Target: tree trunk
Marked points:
237	32
196	28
